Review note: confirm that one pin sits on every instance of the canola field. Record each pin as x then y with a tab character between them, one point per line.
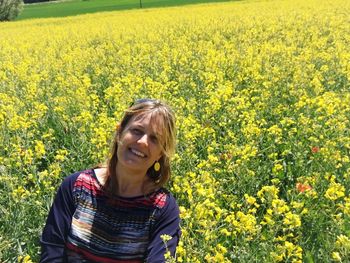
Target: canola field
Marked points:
261	90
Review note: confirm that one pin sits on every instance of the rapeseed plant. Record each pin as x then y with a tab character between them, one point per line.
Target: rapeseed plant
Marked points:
261	94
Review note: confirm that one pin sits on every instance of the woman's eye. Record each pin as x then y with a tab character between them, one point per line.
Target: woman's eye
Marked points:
154	139
136	131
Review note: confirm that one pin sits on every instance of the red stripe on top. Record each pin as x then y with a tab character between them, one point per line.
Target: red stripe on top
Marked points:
88	181
95	258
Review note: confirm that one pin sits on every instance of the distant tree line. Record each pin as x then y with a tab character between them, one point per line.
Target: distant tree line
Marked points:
10	9
35	1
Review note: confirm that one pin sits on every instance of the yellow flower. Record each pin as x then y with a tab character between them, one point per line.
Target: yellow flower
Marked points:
335	191
277	257
24	259
225	232
61	155
268	193
221	248
250	199
336	256
279	206
277	168
165	238
343	242
39	149
292	220
346	206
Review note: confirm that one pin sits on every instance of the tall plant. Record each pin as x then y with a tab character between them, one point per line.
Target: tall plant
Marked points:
10	9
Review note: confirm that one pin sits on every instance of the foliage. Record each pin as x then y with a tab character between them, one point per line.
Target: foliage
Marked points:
261	94
35	1
10	9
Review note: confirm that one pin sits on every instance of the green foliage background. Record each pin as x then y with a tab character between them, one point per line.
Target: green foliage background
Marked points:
10	9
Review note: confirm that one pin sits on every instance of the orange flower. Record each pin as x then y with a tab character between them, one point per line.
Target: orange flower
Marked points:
301	188
315	149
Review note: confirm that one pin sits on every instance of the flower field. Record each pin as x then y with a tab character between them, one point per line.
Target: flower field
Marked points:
261	91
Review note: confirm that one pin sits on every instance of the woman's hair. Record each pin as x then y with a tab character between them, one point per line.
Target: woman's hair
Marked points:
163	119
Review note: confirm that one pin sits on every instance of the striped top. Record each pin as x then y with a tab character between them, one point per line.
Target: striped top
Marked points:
105	228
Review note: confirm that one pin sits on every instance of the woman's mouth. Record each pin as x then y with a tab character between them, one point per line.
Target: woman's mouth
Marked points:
137	153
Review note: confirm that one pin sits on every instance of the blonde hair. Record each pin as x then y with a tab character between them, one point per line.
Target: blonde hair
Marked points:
163	117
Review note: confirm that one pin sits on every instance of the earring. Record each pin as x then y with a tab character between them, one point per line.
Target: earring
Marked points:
156	166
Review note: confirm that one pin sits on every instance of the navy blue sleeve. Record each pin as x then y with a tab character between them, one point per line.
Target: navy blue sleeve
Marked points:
58	223
167	222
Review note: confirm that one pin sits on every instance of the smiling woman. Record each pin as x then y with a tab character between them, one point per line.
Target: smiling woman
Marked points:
119	213
145	137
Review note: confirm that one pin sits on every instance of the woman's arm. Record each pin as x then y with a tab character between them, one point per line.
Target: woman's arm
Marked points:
167	223
58	223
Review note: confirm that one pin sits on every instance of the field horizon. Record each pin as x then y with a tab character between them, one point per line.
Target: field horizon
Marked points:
78	7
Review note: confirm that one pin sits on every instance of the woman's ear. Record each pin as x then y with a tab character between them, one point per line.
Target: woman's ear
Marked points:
160	157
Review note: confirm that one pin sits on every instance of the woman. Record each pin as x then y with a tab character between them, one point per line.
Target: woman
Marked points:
118	213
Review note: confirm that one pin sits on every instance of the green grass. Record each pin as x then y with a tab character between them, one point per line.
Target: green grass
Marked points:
77	7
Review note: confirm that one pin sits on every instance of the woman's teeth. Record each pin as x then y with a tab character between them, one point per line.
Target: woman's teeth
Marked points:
136	152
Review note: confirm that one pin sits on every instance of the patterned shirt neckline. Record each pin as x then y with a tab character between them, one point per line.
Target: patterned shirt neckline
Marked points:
101	187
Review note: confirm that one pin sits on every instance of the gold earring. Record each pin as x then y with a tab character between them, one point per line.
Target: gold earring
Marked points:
156	166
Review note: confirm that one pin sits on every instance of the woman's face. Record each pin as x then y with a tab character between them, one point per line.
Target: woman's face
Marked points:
139	145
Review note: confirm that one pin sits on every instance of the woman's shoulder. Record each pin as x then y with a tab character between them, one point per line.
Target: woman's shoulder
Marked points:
163	198
76	177
71	178
167	207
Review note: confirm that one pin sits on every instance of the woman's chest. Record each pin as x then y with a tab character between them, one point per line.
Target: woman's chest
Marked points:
111	228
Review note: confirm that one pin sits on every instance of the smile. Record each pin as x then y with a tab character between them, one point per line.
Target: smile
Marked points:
137	153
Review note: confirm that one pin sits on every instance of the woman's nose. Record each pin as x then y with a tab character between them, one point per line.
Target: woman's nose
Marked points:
143	139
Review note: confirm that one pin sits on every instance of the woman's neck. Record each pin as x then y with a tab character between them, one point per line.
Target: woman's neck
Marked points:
130	183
